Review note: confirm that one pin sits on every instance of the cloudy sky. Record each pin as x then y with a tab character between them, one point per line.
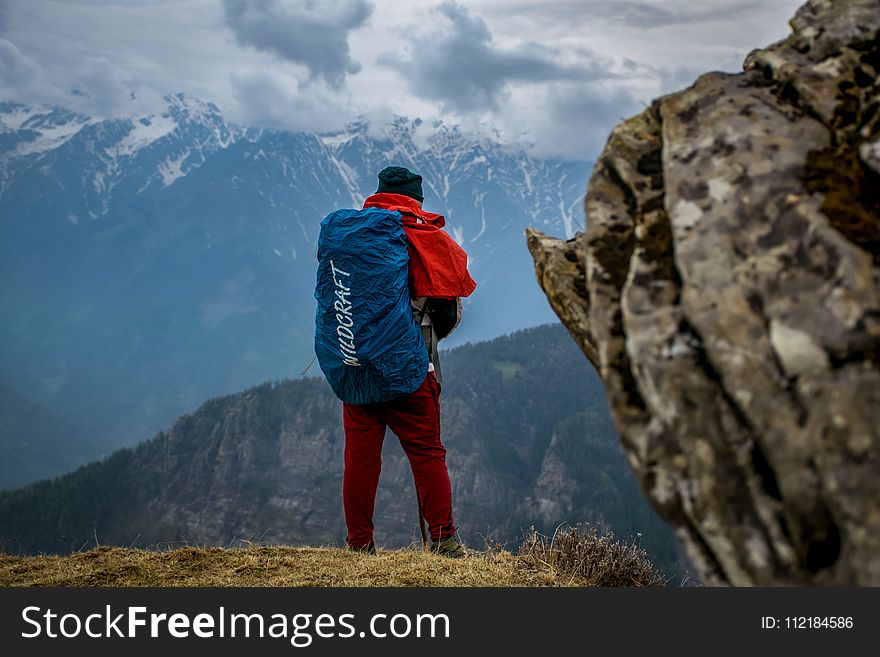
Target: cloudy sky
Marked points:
552	75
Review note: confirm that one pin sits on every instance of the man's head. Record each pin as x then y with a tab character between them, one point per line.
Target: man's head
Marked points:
400	180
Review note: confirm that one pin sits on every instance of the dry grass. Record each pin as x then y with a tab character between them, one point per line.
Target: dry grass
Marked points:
590	559
565	559
270	566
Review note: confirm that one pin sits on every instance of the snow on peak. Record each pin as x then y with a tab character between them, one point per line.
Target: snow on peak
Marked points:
182	106
42	128
171	168
336	140
13	116
144	131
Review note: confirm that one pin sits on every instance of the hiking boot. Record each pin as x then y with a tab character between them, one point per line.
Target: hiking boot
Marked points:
449	547
369	548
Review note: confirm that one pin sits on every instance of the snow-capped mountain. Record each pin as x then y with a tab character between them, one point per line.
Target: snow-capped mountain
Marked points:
125	155
151	262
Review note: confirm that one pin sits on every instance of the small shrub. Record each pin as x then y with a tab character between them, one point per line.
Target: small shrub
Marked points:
592	559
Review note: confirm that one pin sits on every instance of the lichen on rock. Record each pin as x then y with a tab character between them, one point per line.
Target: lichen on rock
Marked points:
727	289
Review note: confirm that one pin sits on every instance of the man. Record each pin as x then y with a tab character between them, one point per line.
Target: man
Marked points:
438	277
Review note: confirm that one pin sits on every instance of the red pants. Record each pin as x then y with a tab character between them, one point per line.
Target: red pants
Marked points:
415	418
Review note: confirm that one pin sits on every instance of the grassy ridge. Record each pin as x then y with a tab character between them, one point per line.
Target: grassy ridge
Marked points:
271	566
568	558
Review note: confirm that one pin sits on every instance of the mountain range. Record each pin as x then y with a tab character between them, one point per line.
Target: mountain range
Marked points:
529	443
150	263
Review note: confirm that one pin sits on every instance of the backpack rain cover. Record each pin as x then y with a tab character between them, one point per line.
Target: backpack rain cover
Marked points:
366	338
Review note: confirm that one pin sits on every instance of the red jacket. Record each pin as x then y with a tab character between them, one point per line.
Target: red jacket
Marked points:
437	264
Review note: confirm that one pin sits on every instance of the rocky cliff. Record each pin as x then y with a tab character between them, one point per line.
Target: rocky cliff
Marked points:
727	290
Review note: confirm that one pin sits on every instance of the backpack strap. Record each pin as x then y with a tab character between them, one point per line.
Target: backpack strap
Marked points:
429	334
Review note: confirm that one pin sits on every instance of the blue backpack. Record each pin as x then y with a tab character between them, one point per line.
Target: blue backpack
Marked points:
367	341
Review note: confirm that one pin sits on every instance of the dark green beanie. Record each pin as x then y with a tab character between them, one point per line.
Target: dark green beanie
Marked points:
400	180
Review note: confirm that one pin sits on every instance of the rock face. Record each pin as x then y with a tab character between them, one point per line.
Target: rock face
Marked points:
727	290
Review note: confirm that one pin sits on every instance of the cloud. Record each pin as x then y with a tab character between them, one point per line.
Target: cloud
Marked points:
102	89
23	79
307	32
465	70
567	120
556	74
273	100
16	70
634	14
678	78
96	87
642	15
